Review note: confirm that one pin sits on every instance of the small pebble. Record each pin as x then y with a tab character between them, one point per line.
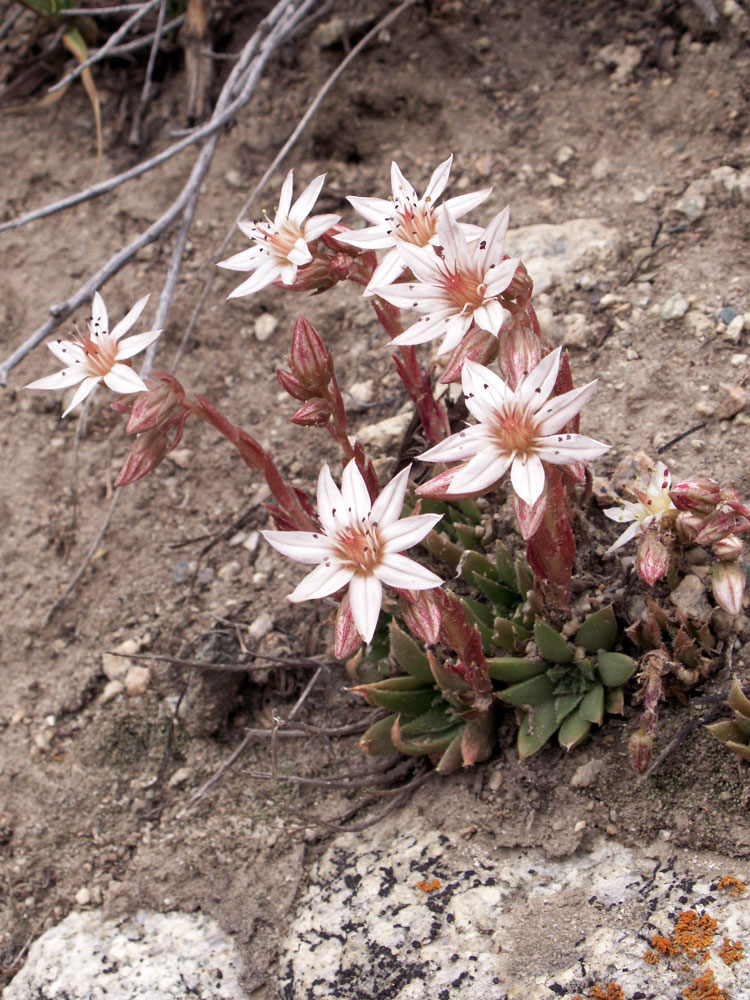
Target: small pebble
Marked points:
631	354
251	542
564	155
230	570
260	626
83	897
735	328
580	825
737	360
727	314
205	576
601	169
234	178
111	690
181	457
137	680
675	307
555	180
180	777
264	326
237	539
587	773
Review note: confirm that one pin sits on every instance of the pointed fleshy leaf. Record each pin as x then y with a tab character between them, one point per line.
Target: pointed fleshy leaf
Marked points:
409	656
404	695
564	705
574	730
592	705
535	729
738	701
615	668
532	692
376	741
598	631
614	701
551	644
513	669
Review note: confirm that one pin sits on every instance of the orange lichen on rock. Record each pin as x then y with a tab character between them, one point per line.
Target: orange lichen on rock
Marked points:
731	951
732	885
429	886
705	987
612	992
693	934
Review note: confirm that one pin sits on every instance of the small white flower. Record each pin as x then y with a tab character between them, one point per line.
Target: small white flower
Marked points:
98	357
281	246
517	430
457	287
408	220
652	504
359	545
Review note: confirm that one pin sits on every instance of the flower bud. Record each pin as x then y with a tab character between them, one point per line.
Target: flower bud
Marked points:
640	748
728	582
728	548
520	348
313	413
153	408
521	285
652	561
289	383
715	527
698	496
477	345
688	525
309	360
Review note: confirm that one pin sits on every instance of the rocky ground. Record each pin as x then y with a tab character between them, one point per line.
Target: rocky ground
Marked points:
632	116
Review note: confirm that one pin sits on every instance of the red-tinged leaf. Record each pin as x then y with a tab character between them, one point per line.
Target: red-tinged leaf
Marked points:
347	638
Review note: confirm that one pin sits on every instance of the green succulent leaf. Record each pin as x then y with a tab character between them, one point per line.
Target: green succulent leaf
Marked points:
509	635
599	631
532	692
535	729
431	733
408	655
506	570
738	701
592	705
474	565
614	701
551	644
376	741
502	597
478	612
565	704
439	719
405	695
615	668
524	577
574	730
512	669
465	535
469	509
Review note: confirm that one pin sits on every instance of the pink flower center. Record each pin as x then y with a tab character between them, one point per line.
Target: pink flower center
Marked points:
360	546
466	291
282	240
416	224
101	352
514	433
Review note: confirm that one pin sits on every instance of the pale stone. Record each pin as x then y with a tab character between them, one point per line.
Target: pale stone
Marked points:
230	570
265	325
620	60
180	777
83	896
576	330
148	956
690	598
587	773
260	626
675	307
734	330
407	913
111	690
564	155
137	680
386	433
181	457
552	251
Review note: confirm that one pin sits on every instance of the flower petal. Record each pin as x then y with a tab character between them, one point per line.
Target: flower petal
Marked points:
458	447
560	410
122	378
266	274
401	188
566	448
304	546
99	318
464	203
399	571
285	196
485	392
133	345
534	390
60	380
365	599
631	532
355	495
331	512
319	224
527	477
129	319
304	204
324	580
374	210
481	472
408	531
84	389
389	503
439	180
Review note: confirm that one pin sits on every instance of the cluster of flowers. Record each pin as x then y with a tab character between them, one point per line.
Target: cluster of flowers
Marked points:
473	298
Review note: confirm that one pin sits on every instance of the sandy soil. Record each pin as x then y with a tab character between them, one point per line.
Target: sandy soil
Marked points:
521	96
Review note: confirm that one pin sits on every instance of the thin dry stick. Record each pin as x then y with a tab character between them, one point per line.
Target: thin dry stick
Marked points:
282	661
278	159
244	78
144	40
84	566
215	122
124	8
100	54
135	132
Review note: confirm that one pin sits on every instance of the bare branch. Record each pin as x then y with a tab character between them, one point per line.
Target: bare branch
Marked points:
135	132
113	39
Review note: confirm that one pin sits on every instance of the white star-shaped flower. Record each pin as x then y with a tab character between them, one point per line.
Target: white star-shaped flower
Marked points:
281	245
459	286
652	504
408	220
517	430
359	546
98	357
